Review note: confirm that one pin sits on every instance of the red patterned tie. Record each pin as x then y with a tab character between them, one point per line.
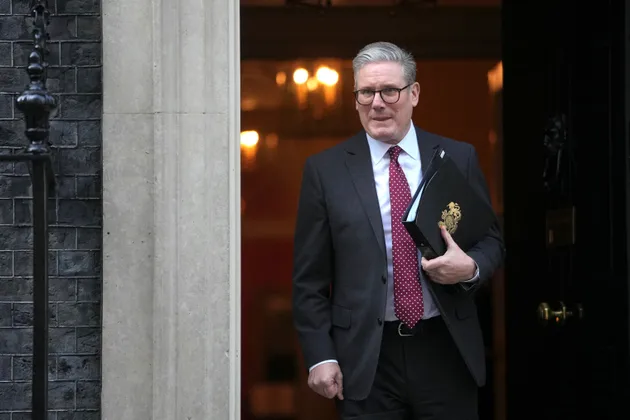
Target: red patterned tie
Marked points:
407	289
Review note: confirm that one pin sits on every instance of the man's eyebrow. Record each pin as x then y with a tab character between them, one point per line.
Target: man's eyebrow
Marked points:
385	86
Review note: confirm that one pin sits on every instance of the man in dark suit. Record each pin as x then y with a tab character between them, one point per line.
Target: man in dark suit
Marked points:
386	332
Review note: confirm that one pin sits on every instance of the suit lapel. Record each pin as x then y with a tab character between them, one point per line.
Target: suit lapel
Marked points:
427	143
359	163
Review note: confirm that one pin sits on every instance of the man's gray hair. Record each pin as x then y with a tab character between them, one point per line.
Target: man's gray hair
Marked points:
378	52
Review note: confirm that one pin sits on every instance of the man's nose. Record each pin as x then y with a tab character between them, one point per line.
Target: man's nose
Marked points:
377	102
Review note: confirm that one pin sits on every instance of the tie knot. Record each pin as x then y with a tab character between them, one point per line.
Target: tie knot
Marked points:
394	152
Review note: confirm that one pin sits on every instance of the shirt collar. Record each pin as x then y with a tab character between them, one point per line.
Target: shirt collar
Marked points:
409	144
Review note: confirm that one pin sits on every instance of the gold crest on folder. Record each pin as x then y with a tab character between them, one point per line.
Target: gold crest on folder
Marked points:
451	217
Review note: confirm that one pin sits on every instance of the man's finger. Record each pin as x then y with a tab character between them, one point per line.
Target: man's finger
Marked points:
319	388
434	264
447	238
339	382
428	265
330	390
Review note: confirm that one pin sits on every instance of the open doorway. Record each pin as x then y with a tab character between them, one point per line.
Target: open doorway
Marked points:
296	100
553	145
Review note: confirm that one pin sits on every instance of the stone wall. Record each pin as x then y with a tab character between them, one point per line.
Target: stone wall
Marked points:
74	214
171	206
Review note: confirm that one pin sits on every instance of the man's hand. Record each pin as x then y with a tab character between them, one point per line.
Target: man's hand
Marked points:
452	267
327	380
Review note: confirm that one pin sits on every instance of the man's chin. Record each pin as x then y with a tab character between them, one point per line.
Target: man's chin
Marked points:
382	135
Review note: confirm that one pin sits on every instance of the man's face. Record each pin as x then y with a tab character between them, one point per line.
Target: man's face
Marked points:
381	120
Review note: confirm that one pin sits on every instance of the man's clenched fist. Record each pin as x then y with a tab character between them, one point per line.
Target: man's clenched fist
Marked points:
327	380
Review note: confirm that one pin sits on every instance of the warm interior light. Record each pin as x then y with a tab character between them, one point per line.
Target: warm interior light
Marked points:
272	140
327	76
249	138
300	76
311	84
248	104
495	78
281	78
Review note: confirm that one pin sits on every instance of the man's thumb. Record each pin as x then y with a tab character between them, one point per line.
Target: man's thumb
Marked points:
339	382
447	237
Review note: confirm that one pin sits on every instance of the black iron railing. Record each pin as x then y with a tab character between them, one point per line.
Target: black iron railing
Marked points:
37	105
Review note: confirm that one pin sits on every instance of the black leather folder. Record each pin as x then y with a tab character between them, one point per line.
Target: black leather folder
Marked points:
446	198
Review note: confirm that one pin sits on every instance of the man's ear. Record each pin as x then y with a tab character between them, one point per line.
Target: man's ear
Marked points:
415	93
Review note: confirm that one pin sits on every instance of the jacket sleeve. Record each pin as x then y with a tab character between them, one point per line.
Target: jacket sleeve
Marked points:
313	270
489	252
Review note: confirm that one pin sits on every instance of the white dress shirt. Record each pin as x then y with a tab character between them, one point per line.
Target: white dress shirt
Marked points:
411	165
409	161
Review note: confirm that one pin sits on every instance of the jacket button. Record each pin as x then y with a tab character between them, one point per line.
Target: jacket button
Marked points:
380	321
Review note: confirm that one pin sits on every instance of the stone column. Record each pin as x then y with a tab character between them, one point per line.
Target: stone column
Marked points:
171	210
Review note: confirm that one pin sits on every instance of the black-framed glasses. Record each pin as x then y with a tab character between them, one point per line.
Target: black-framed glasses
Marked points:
389	95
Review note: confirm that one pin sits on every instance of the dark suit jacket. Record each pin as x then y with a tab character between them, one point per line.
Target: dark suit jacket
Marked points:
340	266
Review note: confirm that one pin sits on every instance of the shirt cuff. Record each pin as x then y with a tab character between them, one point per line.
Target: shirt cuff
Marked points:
321	363
475	277
470	283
